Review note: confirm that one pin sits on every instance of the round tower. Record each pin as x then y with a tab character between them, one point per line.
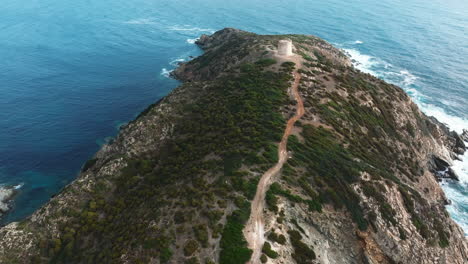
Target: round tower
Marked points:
285	47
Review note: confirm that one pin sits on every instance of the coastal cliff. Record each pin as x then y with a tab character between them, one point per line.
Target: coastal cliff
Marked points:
360	184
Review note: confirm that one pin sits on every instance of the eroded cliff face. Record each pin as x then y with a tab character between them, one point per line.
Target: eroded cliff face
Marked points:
175	186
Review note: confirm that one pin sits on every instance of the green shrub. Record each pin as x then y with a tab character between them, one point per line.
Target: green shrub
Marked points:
179	217
288	65
89	164
165	254
302	253
190	247
192	260
402	233
281	239
271	201
268	251
331	168
233	245
265	62
201	233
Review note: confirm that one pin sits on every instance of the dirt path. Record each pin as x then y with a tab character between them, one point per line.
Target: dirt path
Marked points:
254	229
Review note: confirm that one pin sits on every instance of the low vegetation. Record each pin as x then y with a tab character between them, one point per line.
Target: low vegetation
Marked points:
302	254
192	188
235	122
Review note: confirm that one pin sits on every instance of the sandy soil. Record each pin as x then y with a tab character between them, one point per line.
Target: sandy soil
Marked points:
254	229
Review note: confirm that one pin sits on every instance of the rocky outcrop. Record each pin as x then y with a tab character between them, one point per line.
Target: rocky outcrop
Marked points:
6	194
175	185
452	140
464	135
441	169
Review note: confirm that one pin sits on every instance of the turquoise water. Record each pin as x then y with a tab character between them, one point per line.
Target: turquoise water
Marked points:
71	72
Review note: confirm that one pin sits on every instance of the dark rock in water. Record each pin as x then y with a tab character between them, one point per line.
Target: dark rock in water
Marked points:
459	151
447	202
464	135
440	164
455	157
459	146
453	140
202	40
450	173
441	169
218	38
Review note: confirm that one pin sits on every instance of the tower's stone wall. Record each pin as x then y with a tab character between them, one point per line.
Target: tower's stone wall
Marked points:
285	47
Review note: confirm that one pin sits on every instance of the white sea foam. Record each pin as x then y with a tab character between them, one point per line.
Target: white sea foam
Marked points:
456	209
166	73
358	42
6	194
406	80
403	78
189	28
382	69
461	168
454	122
364	63
192	41
457	193
141	21
176	62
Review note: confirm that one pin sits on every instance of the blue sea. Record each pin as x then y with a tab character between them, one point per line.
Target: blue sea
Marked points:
72	72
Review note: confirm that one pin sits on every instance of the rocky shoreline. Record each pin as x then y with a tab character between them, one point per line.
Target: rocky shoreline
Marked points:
457	144
6	196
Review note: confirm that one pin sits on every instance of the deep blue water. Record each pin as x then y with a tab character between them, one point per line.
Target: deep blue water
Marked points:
72	71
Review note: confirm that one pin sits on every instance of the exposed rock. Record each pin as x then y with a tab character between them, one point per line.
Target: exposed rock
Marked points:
441	169
459	146
452	174
440	164
6	194
464	135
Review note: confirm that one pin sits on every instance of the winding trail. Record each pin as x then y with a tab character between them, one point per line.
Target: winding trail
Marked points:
254	231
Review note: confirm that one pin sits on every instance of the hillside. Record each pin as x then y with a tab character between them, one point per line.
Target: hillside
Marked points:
358	183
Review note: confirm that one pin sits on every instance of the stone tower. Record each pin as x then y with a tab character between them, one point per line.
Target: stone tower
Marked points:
285	47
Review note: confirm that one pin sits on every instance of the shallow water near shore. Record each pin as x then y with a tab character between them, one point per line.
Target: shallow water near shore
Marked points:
73	71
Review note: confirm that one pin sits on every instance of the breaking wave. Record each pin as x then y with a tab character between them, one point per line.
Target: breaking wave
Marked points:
166	73
457	192
192	41
176	62
188	28
141	21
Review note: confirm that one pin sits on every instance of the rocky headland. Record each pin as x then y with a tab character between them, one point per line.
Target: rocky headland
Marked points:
359	184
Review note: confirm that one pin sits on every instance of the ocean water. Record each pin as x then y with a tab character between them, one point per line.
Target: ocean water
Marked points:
72	72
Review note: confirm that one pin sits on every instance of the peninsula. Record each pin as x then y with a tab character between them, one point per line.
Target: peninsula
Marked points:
261	155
